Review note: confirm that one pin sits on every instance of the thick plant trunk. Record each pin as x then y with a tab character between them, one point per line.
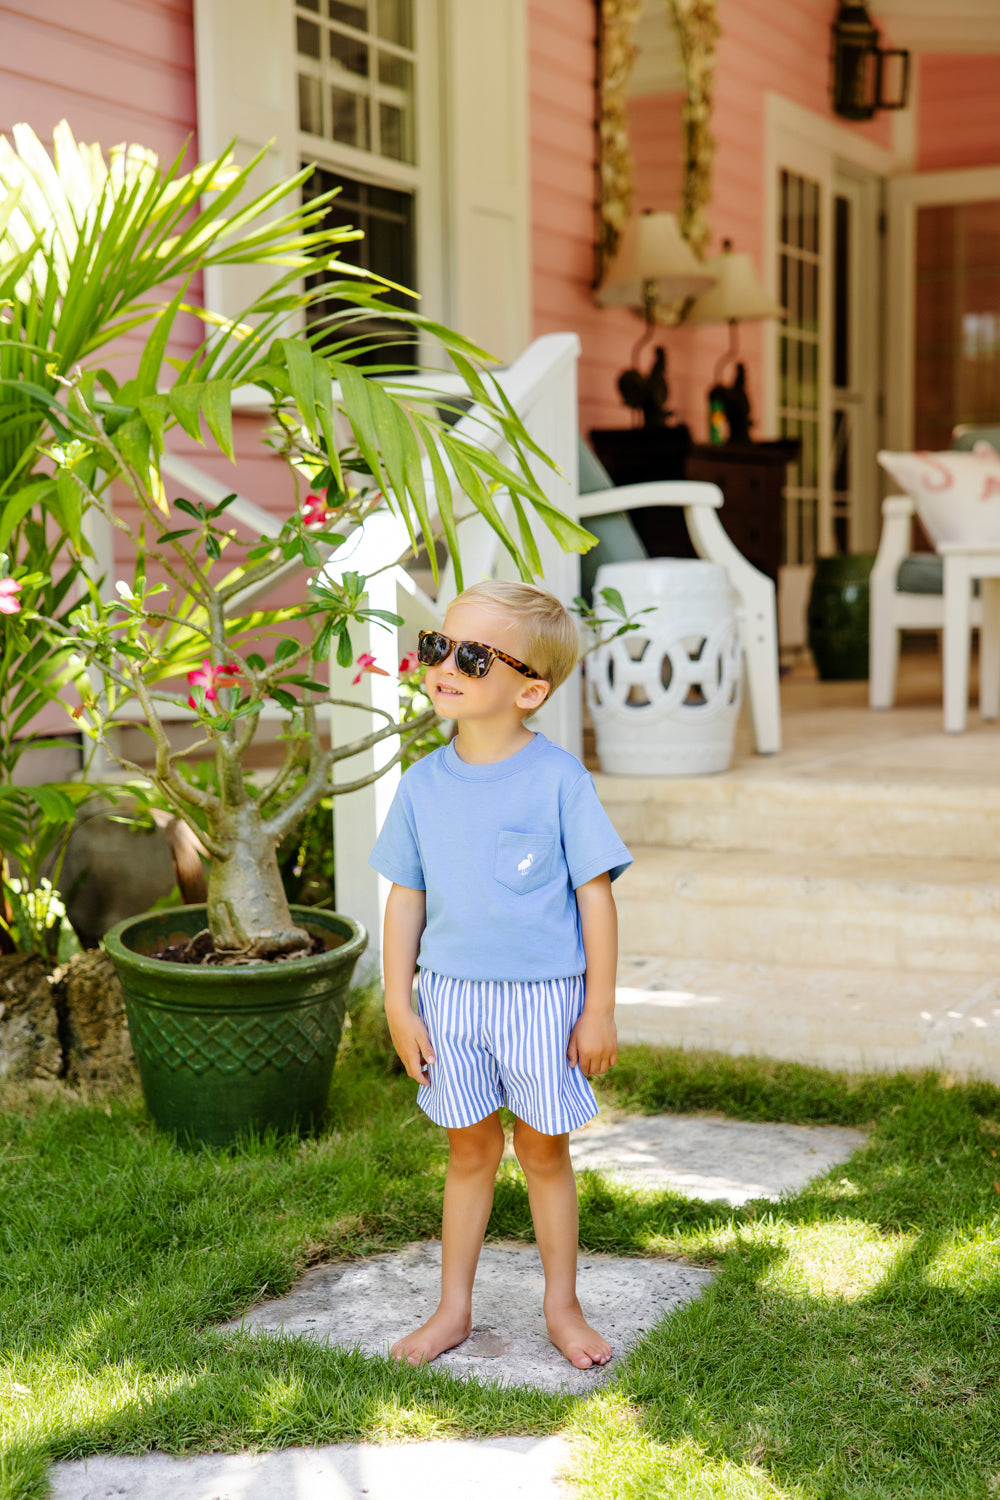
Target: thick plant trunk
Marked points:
247	908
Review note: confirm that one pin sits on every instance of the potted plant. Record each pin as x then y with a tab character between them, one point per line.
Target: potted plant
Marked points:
244	1032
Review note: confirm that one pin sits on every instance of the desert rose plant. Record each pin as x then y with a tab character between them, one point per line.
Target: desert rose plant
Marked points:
181	634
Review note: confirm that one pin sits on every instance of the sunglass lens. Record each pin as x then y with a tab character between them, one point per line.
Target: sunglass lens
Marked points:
472	659
432	648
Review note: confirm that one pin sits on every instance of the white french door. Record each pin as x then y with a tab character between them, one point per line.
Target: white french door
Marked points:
824	192
944	305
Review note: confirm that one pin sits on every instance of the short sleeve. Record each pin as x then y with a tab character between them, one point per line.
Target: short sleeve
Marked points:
591	844
396	854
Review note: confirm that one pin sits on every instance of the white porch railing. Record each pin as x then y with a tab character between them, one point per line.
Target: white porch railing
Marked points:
541	387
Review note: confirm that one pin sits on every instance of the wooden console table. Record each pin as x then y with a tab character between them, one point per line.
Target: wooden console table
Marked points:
751	477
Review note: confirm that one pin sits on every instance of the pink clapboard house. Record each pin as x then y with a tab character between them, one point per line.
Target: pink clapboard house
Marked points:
465	136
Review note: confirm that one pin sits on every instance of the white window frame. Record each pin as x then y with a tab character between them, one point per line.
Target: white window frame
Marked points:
425	179
812	146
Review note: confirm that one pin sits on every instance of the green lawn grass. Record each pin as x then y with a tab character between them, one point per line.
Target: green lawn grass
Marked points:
850	1345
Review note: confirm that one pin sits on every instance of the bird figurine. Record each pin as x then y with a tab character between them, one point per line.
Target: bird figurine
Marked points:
647	393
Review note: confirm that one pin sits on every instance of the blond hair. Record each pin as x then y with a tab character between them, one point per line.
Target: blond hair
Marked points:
550	641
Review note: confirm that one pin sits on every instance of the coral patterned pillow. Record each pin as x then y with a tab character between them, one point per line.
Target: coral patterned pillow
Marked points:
957	495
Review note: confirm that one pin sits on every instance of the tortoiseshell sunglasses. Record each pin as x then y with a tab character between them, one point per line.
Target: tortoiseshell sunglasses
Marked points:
472	658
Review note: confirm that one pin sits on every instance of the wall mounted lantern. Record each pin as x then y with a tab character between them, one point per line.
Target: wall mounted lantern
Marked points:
864	76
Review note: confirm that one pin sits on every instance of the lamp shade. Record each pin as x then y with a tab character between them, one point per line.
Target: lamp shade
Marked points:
736	295
653	264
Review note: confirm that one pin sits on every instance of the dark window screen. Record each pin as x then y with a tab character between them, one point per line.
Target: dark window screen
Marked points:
386	217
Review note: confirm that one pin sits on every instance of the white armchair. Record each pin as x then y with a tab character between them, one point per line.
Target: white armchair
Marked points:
893	609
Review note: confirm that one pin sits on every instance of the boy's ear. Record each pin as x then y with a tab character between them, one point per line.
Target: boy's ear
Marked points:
533	694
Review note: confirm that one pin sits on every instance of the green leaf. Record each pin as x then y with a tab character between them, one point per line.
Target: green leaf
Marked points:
185	403
287	701
190	509
218	411
256	663
19	505
212	546
345	656
286	649
321	645
133	439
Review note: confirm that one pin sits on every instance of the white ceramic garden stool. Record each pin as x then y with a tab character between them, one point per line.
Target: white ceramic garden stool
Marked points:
665	698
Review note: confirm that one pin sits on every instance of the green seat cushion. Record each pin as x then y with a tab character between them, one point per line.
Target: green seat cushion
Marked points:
617	538
923	573
965	439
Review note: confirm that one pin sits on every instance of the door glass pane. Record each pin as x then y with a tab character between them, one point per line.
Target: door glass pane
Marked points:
798	351
957	320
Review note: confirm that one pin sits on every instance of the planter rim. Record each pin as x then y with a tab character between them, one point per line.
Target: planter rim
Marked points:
219	974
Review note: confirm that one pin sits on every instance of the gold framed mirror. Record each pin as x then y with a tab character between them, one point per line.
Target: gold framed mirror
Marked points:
655	75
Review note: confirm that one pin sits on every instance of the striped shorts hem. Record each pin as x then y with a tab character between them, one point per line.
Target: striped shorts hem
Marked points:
503	1043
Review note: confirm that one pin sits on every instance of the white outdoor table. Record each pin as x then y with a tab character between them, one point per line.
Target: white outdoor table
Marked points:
964	563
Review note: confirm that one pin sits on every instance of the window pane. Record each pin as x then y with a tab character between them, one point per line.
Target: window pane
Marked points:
312	5
307	38
355	14
350	118
386	216
395	72
394	133
395	22
310	105
351	54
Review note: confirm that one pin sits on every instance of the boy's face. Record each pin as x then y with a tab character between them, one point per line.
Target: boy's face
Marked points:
503	693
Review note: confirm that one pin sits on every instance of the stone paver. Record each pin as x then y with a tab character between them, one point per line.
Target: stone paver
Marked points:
496	1469
370	1303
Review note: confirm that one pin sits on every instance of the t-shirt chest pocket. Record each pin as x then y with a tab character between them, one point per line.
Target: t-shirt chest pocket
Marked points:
524	861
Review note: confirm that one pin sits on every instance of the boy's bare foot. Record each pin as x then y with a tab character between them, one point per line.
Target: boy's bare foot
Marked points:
441	1331
573	1336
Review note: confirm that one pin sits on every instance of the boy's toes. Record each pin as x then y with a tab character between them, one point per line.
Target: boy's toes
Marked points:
582	1345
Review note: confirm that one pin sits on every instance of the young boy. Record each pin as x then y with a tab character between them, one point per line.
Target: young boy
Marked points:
502	859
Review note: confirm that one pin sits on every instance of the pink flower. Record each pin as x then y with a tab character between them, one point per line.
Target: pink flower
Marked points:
367	664
313	510
211	679
410	663
9	602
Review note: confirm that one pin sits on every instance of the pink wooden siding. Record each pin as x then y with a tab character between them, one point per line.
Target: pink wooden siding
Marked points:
759	52
116	69
958	111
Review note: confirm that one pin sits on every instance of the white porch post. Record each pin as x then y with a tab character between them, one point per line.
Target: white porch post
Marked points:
552	418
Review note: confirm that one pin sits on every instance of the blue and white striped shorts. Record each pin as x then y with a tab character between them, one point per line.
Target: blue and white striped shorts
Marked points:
503	1042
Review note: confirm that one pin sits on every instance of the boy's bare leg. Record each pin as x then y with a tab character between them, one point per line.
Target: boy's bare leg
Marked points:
546	1163
474	1153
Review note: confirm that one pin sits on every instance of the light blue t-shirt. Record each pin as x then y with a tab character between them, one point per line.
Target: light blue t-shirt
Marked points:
500	850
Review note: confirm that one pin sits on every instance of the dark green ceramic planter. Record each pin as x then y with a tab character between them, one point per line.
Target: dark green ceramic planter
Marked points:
838	617
226	1050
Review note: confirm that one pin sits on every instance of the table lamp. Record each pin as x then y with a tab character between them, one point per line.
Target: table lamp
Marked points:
736	296
652	270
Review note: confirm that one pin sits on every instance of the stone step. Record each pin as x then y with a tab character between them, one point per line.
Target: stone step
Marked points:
861	1019
757	907
789	815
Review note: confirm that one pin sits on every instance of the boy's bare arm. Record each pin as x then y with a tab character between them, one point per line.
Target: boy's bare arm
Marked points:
593	1042
405	917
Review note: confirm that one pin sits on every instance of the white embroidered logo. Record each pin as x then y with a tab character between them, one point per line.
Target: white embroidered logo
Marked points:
526	865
